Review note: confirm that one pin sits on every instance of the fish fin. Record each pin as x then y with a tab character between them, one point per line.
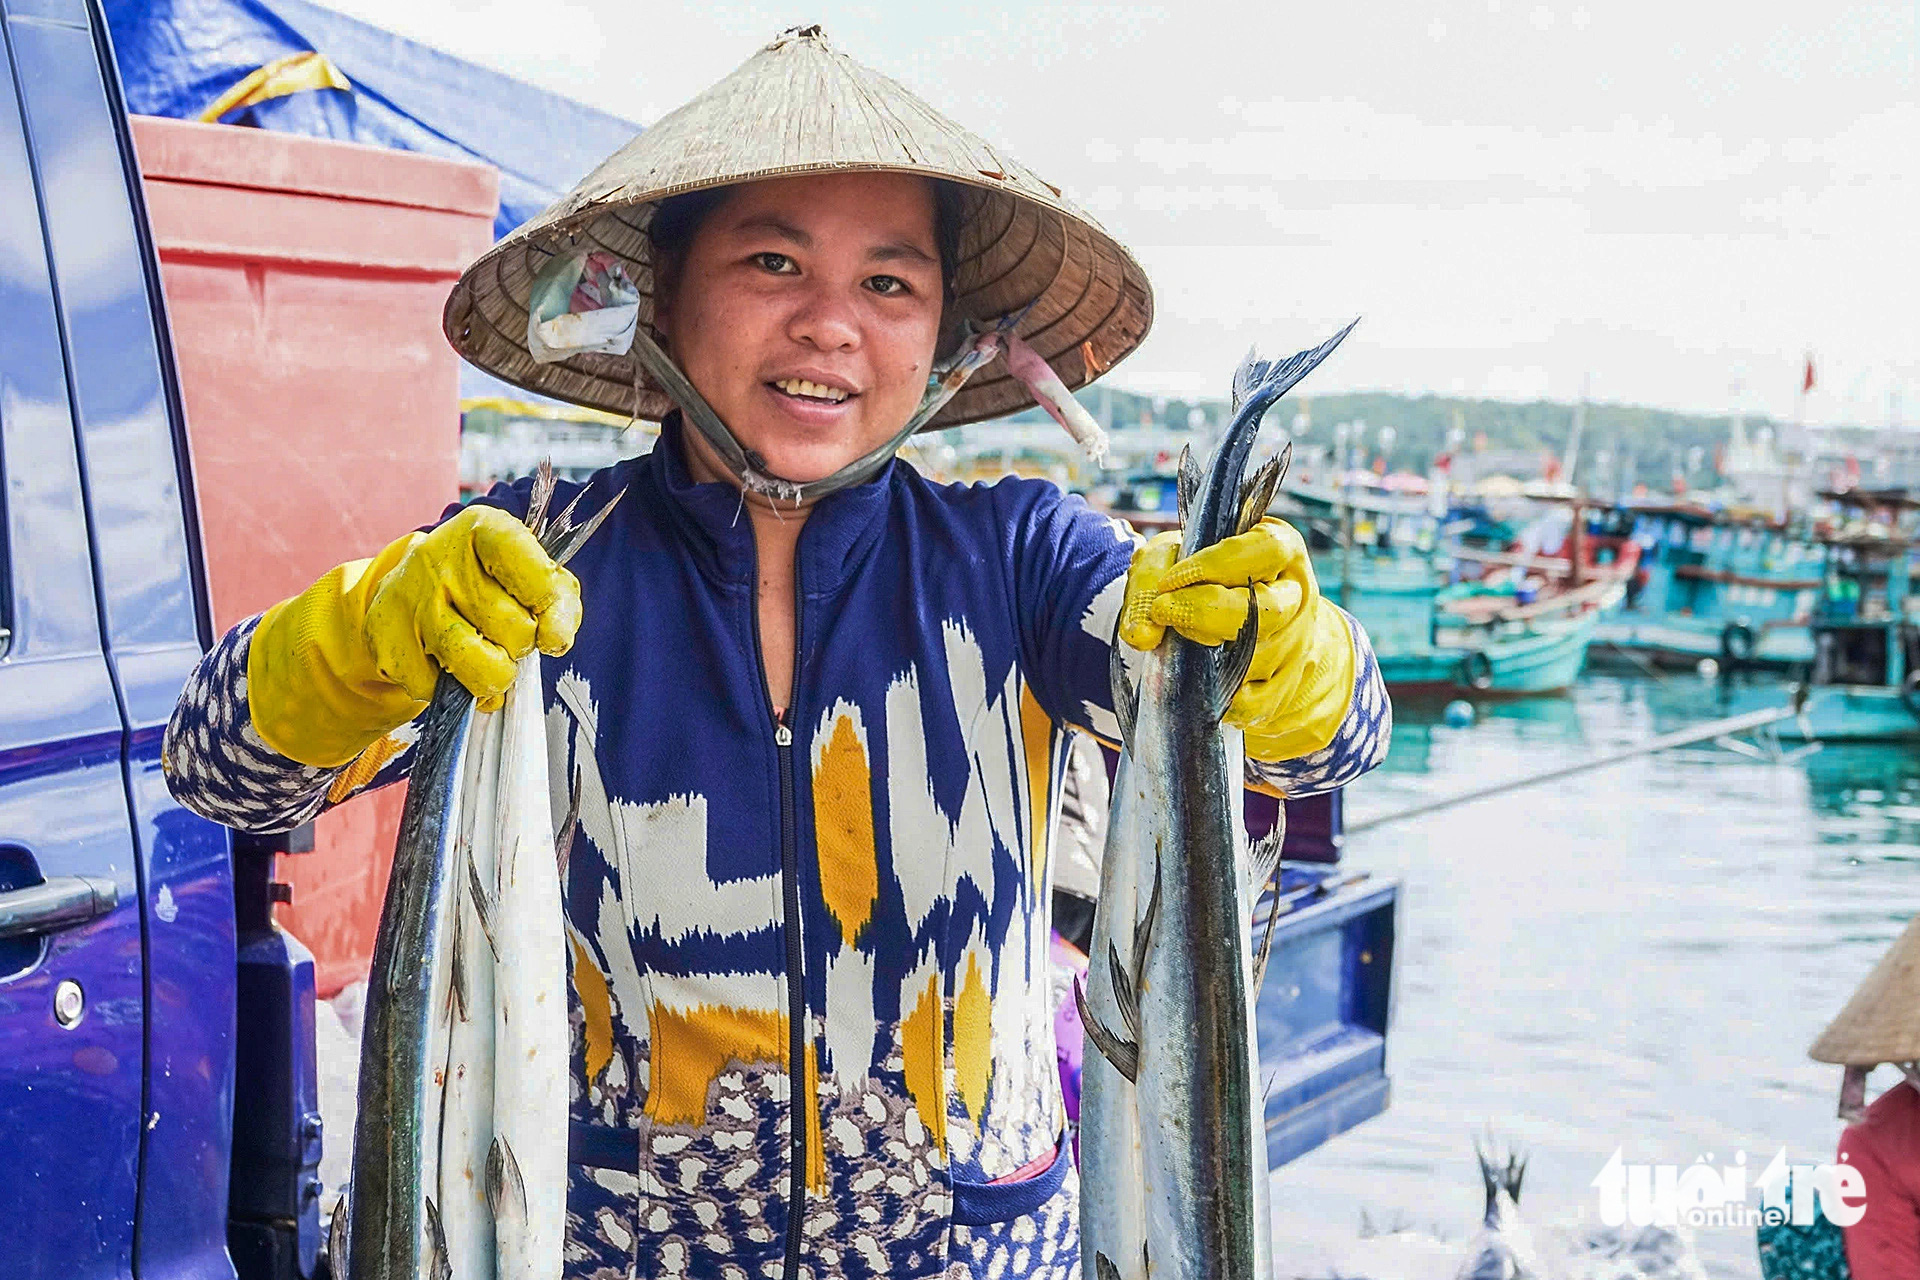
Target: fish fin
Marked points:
563	842
565	548
1123	991
1256	494
1143	931
1104	1269
1187	482
1264	858
1236	659
543	481
457	988
506	1189
1267	852
339	1238
482	907
436	1265
1126	698
562	524
1265	953
1123	1054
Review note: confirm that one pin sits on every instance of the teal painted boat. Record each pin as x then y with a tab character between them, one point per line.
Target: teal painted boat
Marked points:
1863	682
1431	639
1737	588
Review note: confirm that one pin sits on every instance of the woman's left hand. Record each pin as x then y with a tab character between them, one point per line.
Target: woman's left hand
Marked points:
1301	681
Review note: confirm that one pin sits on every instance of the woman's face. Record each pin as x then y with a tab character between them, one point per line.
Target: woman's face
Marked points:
806	310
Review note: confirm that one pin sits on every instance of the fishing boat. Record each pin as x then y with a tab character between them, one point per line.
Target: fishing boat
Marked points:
1735	587
1450	621
1862	683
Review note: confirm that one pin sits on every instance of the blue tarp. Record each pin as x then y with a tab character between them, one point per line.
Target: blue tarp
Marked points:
178	56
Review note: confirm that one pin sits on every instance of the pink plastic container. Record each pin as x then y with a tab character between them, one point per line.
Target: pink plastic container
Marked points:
304	282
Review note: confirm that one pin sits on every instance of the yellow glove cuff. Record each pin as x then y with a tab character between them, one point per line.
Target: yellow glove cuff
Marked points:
1290	723
313	692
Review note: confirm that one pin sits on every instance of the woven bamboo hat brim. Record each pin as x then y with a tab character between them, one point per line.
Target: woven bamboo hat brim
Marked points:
800	107
1882	1021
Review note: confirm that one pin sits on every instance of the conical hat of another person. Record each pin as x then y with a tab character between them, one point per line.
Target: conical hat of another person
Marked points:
799	106
1882	1021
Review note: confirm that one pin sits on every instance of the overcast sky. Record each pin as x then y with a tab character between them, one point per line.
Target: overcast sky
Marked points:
1675	200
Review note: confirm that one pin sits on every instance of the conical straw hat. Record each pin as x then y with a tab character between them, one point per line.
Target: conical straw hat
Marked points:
1882	1021
799	107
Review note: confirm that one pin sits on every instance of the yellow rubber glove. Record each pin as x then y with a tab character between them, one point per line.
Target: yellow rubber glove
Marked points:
357	654
1301	683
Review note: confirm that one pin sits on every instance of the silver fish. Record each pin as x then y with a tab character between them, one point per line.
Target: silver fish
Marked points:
432	1019
1173	1149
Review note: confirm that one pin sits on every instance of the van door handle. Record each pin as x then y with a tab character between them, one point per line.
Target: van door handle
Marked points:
59	903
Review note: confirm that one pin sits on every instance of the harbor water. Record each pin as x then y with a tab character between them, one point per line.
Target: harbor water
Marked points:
1632	959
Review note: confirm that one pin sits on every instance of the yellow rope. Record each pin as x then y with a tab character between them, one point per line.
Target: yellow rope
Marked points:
295	73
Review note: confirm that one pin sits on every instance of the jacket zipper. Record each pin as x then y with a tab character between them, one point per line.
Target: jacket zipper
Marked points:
790	893
796	995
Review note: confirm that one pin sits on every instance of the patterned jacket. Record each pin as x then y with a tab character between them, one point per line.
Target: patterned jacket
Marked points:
861	889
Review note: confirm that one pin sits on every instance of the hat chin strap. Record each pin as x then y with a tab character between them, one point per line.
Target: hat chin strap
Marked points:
750	469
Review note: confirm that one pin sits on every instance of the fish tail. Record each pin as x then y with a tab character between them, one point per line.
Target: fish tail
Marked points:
1499	1172
1258	383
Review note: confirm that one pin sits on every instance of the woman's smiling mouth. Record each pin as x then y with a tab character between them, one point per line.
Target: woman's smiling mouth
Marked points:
801	389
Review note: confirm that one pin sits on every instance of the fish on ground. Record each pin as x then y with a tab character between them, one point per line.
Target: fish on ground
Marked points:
1172	1136
459	1159
1504	1248
1507	1247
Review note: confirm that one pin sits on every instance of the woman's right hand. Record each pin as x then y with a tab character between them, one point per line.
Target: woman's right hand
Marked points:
470	597
357	654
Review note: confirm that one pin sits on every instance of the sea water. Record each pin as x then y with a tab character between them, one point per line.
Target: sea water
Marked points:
1632	959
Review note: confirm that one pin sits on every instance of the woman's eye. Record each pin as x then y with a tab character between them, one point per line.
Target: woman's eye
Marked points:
887	285
778	263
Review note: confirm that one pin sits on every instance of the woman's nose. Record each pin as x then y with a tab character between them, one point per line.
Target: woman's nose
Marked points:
826	321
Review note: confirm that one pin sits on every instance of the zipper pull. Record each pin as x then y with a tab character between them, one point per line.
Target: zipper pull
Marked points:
782	736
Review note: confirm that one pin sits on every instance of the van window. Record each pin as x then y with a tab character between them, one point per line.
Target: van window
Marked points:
132	474
47	606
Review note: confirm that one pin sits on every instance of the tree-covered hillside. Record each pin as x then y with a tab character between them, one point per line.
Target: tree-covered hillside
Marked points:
1421	424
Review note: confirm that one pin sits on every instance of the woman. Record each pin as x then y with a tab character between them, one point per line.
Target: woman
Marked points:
1880	1024
815	707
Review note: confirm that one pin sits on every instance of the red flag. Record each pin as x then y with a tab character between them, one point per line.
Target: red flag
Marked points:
1806	384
